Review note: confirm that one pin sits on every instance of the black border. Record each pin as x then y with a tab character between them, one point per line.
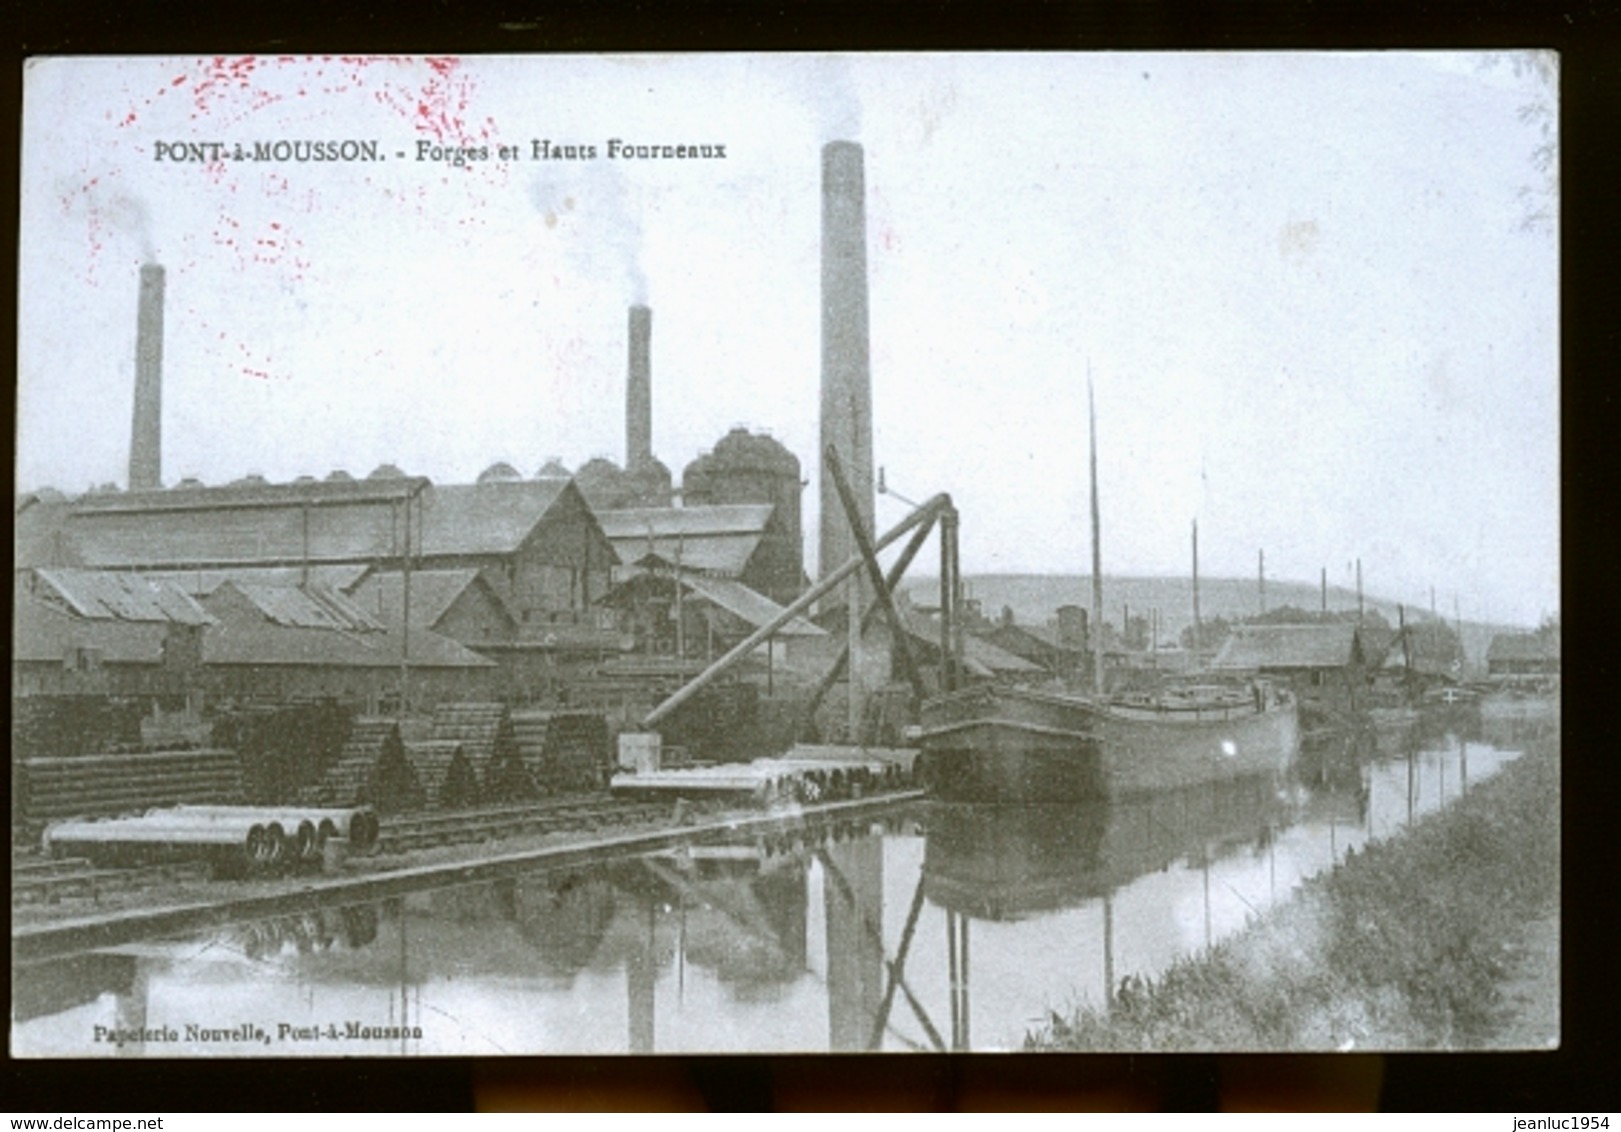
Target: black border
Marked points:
1579	1078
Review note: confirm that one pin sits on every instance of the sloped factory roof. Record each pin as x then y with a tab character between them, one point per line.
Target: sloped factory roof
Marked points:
750	606
432	594
307	607
1331	645
1523	646
247	634
43	632
717	539
104	595
280	525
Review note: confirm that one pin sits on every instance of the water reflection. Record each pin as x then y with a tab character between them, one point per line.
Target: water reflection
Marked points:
1017	862
930	927
1008	865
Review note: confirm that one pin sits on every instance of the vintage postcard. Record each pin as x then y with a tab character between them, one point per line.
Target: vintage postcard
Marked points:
786	553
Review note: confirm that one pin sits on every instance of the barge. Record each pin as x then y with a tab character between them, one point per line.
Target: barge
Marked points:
995	743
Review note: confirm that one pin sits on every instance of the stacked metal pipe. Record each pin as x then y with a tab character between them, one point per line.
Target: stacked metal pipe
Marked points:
254	839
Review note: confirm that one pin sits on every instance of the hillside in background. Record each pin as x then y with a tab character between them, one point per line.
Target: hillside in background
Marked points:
1034	598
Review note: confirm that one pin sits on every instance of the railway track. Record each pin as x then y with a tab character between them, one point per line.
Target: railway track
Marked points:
47	880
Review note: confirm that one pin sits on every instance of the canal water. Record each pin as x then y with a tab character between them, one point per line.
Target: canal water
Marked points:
925	926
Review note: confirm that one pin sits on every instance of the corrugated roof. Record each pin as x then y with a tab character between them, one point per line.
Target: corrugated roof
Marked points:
48	634
718	519
246	636
308	607
1331	645
99	594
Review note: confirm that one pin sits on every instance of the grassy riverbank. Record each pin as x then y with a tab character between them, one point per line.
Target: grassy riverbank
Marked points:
1406	946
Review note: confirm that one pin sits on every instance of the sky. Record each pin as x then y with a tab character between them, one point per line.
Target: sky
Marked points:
1316	294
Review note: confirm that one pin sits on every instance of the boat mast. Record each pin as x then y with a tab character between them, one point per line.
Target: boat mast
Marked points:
1457	627
1097	552
1198	630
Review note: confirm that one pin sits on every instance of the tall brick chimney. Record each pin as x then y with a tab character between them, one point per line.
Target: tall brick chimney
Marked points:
146	432
846	374
639	392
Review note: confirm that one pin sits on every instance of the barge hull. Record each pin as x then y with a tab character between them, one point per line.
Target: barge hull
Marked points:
1012	746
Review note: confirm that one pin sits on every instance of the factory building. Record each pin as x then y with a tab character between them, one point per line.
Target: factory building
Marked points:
537	541
511	568
77	633
93	632
462	604
282	643
705	619
520	570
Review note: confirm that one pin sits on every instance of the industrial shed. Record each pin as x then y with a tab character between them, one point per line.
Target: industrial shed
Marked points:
77	632
1316	653
716	613
1523	654
242	525
1422	657
461	603
289	644
981	658
1037	644
1327	664
537	539
740	541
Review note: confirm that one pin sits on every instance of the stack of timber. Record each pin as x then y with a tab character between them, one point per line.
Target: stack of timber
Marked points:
371	768
286	747
484	731
622	694
393	787
563	751
53	727
721	722
101	785
444	771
